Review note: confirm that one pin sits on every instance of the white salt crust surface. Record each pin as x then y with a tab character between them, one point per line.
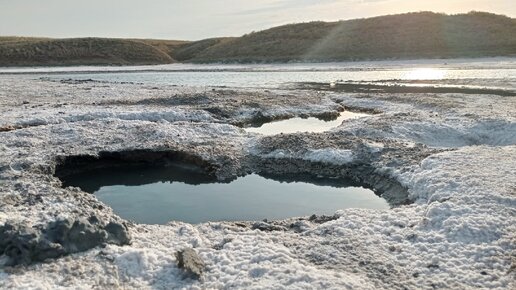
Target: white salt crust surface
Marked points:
458	234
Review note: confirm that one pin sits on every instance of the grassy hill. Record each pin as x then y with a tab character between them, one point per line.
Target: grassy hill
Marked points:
191	50
402	36
412	35
83	51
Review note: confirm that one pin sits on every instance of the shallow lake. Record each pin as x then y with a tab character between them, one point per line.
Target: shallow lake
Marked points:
158	195
486	72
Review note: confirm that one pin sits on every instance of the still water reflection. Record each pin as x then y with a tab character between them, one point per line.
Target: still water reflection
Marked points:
158	195
311	124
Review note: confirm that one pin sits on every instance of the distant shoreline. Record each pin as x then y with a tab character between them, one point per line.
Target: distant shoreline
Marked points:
241	67
229	63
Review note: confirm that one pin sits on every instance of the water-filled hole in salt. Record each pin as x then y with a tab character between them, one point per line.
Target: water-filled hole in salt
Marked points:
157	195
297	124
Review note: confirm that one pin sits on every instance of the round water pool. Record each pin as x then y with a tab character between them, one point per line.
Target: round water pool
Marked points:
157	195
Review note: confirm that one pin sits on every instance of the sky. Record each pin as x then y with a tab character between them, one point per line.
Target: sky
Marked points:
198	19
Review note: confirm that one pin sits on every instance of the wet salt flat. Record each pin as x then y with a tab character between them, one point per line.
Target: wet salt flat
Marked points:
494	72
310	124
159	195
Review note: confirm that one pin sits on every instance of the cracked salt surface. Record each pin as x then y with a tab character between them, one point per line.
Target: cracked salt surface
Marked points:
455	154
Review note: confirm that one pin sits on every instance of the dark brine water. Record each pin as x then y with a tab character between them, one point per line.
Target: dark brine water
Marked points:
159	195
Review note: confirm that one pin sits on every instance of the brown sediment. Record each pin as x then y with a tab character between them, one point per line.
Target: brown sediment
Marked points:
8	128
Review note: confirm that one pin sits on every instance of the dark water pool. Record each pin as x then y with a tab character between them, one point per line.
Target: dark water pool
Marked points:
159	195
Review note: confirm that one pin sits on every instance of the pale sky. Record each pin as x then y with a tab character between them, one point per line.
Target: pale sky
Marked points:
198	19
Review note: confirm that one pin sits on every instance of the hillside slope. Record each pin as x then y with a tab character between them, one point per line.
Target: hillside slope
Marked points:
402	36
189	51
81	51
412	35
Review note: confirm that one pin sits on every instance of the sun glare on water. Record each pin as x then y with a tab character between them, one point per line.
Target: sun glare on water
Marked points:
424	74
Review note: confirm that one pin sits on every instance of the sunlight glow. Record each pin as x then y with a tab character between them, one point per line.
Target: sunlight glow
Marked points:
425	74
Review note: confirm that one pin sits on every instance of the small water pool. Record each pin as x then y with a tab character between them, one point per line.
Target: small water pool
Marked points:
157	195
311	124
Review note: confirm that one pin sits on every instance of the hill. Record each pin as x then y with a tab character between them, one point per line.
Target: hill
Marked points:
191	50
412	35
402	36
83	51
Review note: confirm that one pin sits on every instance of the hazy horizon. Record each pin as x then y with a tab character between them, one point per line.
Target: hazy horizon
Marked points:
197	19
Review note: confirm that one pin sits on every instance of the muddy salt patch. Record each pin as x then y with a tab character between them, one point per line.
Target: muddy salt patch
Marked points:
326	155
335	156
311	124
375	147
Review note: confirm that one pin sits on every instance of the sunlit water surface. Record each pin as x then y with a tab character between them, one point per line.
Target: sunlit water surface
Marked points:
310	124
489	72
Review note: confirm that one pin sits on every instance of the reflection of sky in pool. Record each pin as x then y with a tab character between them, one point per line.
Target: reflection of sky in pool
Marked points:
311	124
160	195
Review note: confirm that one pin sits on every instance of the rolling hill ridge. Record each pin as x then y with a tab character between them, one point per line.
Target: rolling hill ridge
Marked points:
402	36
